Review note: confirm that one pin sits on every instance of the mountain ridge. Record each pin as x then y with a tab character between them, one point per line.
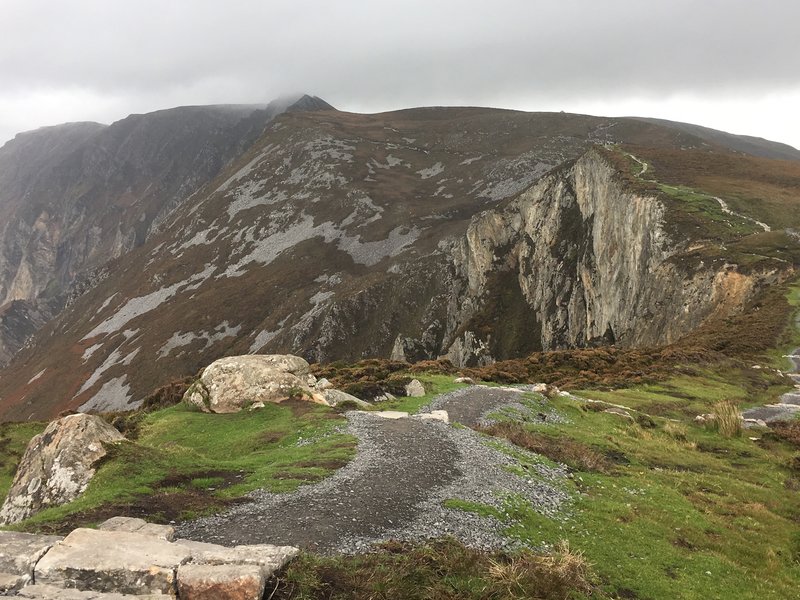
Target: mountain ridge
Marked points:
333	236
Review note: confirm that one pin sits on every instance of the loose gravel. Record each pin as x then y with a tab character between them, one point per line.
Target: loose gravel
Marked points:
394	488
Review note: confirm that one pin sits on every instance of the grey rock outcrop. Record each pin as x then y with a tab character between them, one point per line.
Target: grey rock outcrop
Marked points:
231	384
582	260
57	465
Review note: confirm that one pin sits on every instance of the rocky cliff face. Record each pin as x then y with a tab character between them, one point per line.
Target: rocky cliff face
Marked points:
587	262
476	233
73	197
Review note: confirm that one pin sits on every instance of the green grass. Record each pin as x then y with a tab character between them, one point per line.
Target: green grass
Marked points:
434	385
707	206
684	513
439	570
686	396
181	454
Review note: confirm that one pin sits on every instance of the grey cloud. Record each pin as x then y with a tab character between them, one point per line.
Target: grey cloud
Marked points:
413	52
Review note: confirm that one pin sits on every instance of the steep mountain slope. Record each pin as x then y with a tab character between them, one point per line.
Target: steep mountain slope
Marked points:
475	233
74	196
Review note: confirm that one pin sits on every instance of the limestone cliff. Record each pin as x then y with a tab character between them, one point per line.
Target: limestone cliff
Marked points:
590	262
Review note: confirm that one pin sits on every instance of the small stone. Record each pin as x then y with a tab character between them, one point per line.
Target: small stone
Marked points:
323	384
337	397
415	389
390	414
434	415
620	413
467	380
11	583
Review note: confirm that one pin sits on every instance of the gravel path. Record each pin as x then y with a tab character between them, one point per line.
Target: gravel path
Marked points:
394	487
788	405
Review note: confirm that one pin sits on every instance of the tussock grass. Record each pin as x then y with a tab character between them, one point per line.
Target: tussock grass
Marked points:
556	575
727	419
440	570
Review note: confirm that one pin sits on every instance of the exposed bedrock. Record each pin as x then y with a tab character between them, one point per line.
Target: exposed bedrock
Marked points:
579	260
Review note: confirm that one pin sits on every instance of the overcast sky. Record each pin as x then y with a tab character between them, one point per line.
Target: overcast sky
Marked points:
728	64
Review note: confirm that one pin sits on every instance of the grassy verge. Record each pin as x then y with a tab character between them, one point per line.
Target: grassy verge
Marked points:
683	512
184	463
443	570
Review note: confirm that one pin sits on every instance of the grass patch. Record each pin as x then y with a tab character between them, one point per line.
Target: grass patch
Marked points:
434	385
440	570
185	463
690	513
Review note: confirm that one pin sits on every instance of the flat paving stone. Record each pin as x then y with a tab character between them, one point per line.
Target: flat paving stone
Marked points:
19	552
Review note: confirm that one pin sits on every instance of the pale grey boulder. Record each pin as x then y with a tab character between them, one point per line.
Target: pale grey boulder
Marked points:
231	384
415	389
57	465
336	397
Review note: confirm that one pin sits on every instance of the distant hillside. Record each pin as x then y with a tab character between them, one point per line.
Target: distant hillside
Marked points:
74	196
754	146
476	234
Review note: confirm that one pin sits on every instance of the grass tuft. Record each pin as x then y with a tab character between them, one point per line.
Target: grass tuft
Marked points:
727	419
439	570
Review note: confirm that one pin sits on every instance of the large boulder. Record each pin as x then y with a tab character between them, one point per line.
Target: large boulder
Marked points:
231	384
57	465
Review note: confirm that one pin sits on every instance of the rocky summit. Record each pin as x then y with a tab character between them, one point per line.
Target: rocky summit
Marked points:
143	251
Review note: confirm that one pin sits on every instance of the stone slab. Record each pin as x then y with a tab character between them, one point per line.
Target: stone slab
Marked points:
134	525
390	414
19	552
221	582
434	415
112	561
52	592
267	556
